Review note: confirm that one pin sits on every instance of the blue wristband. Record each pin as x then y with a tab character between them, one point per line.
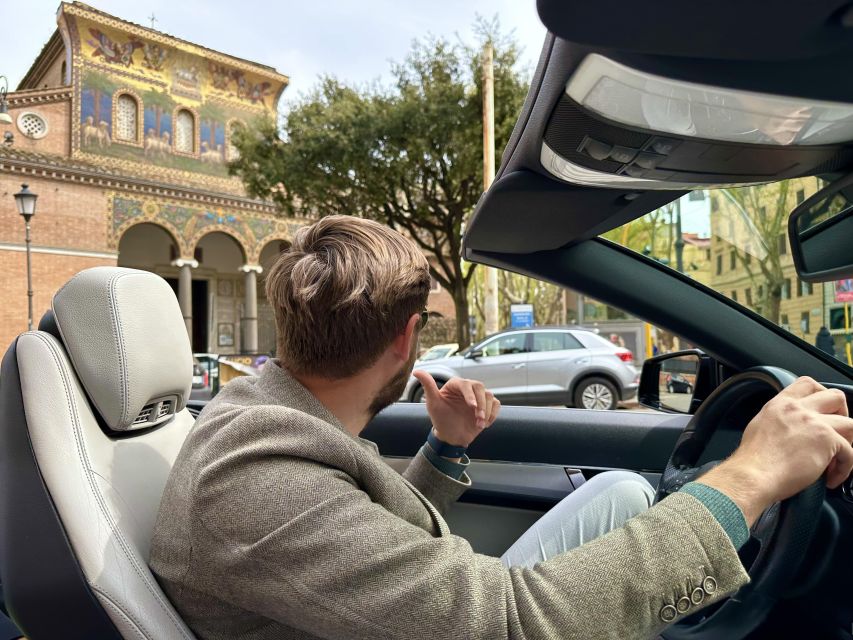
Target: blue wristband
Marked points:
443	449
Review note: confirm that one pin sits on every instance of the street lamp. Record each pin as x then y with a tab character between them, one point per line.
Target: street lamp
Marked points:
26	203
5	118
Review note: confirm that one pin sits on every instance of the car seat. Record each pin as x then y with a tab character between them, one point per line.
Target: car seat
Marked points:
92	417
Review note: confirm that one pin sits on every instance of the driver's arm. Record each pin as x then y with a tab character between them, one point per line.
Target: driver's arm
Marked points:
348	568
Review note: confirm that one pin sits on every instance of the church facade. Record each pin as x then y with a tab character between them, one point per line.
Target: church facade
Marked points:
125	133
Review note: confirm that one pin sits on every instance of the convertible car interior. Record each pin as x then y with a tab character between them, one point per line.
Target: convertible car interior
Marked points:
630	107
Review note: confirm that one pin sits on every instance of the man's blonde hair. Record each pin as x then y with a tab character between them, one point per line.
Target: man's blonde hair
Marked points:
342	292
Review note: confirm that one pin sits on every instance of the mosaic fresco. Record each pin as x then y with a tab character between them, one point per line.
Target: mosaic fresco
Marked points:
188	225
183	70
165	76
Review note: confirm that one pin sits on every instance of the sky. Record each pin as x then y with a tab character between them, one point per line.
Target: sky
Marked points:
303	39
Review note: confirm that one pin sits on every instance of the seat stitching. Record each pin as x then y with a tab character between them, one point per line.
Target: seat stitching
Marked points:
120	347
94	488
108	600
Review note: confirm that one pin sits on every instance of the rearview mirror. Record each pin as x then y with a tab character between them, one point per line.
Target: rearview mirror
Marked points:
821	230
474	354
668	382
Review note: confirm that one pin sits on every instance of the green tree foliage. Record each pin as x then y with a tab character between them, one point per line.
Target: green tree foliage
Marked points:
409	155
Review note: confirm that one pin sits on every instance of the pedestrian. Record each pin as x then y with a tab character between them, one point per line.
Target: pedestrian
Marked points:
824	341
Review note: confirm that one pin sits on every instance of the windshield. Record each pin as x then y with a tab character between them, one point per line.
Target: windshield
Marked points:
435	353
735	241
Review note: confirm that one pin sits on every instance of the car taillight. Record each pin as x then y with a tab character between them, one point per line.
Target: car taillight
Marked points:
205	378
624	355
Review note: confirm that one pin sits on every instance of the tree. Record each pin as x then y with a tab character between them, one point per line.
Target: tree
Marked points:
409	156
99	85
161	102
546	298
213	114
759	215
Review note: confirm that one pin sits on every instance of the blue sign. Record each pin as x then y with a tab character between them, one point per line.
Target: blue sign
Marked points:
521	315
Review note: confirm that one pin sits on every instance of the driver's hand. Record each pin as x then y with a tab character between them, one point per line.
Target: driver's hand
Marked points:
802	433
460	410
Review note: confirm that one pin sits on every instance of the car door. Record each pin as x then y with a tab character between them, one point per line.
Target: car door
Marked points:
554	359
502	367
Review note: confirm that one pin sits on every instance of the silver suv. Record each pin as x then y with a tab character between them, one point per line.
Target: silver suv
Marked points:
542	366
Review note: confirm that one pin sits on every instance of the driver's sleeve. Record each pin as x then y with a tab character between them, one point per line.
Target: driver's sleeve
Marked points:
326	559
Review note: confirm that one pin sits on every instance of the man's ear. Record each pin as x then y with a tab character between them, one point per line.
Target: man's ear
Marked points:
402	345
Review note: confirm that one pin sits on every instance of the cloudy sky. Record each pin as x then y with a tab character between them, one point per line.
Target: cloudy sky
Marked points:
354	40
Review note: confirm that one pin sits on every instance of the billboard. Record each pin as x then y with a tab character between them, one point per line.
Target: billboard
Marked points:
844	290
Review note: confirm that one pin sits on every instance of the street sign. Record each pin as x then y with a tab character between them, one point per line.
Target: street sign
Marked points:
521	315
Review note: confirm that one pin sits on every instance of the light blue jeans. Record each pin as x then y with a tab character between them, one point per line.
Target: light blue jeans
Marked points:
603	503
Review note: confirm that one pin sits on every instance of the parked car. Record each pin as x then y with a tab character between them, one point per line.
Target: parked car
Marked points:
439	351
677	383
542	366
200	375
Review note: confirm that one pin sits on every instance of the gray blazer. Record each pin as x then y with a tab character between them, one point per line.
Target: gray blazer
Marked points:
278	523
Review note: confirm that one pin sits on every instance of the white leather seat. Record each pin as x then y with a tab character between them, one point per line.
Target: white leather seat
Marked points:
92	416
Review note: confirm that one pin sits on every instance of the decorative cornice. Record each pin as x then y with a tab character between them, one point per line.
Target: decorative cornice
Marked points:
55	170
59	251
85	11
40	96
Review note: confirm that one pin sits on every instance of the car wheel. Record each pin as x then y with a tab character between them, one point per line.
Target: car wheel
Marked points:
669	388
418	395
596	393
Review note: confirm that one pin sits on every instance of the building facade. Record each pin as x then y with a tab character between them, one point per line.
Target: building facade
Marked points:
742	257
124	133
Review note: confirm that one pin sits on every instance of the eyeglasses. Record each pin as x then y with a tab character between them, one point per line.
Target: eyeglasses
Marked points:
424	319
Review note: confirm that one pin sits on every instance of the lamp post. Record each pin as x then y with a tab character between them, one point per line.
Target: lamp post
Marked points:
5	118
26	203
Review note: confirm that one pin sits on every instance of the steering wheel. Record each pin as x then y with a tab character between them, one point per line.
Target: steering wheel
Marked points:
778	540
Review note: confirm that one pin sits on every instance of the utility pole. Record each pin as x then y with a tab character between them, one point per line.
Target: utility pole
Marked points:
491	295
679	239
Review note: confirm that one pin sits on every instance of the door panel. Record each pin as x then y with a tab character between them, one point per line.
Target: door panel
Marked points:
555	357
641	441
502	367
503	375
521	465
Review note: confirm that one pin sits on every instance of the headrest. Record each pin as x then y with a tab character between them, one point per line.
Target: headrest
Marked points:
127	340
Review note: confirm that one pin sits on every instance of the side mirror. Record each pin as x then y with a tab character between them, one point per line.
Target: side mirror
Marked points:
474	354
668	382
820	230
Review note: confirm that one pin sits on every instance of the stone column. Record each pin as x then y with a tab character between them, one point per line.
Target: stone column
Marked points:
250	308
185	291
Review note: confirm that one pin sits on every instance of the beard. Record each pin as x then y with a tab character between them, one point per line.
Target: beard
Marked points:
393	389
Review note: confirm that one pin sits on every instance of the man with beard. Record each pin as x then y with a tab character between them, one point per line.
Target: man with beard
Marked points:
280	521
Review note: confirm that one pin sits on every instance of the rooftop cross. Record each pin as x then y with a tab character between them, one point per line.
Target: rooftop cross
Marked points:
153	19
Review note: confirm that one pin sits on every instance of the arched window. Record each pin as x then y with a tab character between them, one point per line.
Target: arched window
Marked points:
126	123
184	132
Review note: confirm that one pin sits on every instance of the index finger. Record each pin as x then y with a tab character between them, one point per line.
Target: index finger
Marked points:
802	387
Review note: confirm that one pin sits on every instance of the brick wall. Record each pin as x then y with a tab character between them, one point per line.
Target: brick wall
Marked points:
68	215
441	302
58	118
49	273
